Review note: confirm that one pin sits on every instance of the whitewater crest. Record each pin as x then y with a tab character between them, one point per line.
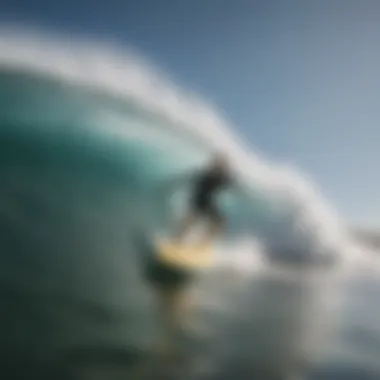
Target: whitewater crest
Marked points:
298	217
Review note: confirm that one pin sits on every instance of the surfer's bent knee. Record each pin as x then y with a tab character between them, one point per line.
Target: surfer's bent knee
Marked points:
217	219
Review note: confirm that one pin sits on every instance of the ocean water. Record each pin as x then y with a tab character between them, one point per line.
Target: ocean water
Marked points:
88	136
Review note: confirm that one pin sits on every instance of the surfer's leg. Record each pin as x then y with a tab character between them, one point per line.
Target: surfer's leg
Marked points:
185	226
215	225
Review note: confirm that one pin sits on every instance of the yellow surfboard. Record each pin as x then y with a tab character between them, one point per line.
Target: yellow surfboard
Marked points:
186	257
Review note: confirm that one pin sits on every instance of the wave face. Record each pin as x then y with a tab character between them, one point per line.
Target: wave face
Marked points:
87	137
87	98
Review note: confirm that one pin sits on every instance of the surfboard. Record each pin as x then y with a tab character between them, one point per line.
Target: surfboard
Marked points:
185	256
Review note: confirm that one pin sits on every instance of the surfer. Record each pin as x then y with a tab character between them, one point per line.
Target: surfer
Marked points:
207	183
171	280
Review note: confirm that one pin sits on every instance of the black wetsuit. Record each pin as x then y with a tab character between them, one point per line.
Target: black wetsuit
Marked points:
206	188
203	201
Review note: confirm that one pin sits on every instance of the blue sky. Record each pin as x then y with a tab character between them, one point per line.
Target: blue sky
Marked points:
299	79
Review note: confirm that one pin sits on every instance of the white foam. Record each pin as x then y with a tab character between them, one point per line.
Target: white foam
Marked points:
107	67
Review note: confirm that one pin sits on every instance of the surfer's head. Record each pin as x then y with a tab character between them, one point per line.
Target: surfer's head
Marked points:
219	161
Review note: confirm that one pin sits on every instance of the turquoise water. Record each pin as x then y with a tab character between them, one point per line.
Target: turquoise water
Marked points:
81	171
